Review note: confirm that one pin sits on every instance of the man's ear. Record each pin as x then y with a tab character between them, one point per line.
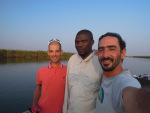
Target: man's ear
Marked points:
47	52
92	42
123	54
61	52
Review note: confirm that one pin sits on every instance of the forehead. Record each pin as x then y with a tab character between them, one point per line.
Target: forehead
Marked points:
83	37
54	45
108	40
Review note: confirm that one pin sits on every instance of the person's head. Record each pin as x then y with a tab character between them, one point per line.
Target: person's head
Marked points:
54	51
111	51
84	42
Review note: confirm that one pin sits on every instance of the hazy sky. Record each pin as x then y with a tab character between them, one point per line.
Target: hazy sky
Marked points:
30	24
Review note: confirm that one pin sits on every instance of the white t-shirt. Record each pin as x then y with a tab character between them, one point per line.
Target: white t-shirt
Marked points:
110	94
82	84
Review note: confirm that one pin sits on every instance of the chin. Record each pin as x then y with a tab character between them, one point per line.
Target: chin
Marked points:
55	61
81	53
108	69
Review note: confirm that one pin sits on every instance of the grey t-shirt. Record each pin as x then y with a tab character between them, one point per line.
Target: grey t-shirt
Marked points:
110	94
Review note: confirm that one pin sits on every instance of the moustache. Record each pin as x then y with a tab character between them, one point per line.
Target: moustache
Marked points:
108	58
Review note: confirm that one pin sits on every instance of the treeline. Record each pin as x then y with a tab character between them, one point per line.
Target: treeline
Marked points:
28	55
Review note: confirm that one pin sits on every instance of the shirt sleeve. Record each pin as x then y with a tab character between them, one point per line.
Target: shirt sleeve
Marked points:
65	105
38	78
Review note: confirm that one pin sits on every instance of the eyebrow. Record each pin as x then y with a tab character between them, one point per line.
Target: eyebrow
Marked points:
109	46
80	40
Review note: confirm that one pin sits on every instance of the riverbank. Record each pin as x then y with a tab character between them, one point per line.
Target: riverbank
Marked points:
26	55
148	57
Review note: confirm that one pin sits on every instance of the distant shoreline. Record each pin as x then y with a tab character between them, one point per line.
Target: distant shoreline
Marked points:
148	57
27	55
31	55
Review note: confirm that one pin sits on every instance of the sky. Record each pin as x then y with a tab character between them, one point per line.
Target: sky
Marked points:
30	24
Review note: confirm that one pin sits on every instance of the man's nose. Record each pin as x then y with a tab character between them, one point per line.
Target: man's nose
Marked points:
79	44
105	53
54	53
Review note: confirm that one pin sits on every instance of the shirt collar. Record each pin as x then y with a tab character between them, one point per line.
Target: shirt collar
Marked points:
50	66
87	58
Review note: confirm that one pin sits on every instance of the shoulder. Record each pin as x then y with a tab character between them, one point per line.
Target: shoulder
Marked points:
40	72
64	66
126	79
73	58
42	69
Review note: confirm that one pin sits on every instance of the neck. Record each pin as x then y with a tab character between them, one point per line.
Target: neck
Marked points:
55	64
113	73
86	55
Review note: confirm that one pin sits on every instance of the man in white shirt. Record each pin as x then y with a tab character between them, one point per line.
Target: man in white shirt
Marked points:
83	75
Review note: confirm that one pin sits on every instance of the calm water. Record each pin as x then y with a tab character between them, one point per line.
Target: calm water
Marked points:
17	82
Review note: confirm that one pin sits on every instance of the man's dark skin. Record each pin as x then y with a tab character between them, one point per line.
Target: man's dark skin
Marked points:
83	43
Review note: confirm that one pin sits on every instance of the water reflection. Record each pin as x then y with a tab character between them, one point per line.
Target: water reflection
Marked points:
20	60
137	65
17	81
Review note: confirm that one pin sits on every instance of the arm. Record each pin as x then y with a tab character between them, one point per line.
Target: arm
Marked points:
136	100
143	98
65	105
66	95
36	98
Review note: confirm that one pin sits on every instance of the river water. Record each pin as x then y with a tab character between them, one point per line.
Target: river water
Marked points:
17	82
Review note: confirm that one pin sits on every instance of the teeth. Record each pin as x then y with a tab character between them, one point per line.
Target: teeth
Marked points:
106	61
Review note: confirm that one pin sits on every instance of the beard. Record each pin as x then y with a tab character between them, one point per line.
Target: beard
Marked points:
55	59
110	66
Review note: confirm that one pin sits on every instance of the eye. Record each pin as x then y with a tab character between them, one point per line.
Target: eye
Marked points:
100	49
84	41
57	51
112	48
50	51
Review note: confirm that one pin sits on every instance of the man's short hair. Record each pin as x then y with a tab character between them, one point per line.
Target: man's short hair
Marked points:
55	40
85	31
122	43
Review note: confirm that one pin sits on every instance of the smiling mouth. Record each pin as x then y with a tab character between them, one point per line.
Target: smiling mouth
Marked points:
106	61
106	64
